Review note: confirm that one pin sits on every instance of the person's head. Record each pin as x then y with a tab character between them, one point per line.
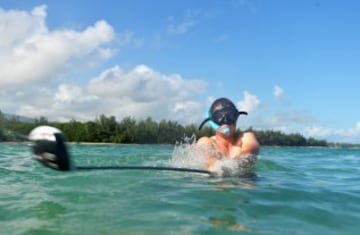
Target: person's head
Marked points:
222	116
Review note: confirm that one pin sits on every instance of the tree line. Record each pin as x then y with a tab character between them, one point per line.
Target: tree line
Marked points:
106	129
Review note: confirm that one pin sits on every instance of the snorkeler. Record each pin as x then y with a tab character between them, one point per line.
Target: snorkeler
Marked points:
226	143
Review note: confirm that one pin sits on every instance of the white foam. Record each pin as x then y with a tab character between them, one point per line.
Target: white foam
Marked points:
235	167
189	155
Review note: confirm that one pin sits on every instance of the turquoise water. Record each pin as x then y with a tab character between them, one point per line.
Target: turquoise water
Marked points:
293	191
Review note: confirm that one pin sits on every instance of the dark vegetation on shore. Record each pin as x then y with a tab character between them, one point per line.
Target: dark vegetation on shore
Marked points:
129	130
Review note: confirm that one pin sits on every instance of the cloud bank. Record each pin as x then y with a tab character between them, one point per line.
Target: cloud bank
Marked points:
33	59
249	103
30	53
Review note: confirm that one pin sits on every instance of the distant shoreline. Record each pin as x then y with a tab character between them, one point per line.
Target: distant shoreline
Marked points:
335	146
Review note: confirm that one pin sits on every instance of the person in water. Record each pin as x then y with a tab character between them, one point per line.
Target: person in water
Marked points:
226	143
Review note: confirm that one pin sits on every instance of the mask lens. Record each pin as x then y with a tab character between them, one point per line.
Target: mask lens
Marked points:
226	116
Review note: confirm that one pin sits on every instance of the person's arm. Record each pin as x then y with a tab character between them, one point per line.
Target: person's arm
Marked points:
249	143
206	144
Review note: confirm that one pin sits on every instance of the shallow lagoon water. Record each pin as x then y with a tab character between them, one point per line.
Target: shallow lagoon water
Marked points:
292	191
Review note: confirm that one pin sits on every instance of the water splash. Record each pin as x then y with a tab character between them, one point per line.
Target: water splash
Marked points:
187	154
236	166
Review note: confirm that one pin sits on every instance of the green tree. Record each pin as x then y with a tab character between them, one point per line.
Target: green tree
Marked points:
147	131
41	120
107	128
75	131
127	130
2	134
91	130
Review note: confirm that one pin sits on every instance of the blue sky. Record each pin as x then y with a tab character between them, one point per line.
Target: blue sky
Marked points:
293	65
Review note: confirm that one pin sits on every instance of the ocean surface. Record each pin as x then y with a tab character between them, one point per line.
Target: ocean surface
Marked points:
291	191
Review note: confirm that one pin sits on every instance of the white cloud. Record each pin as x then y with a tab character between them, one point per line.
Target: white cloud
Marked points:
188	111
181	28
142	92
127	38
357	126
184	26
143	84
17	25
318	131
278	92
139	92
71	94
351	135
250	102
67	93
31	53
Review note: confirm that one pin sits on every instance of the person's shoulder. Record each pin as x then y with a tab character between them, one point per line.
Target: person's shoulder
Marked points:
249	138
244	135
248	134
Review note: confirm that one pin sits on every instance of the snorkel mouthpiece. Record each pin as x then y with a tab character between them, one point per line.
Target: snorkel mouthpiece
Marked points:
220	128
226	131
